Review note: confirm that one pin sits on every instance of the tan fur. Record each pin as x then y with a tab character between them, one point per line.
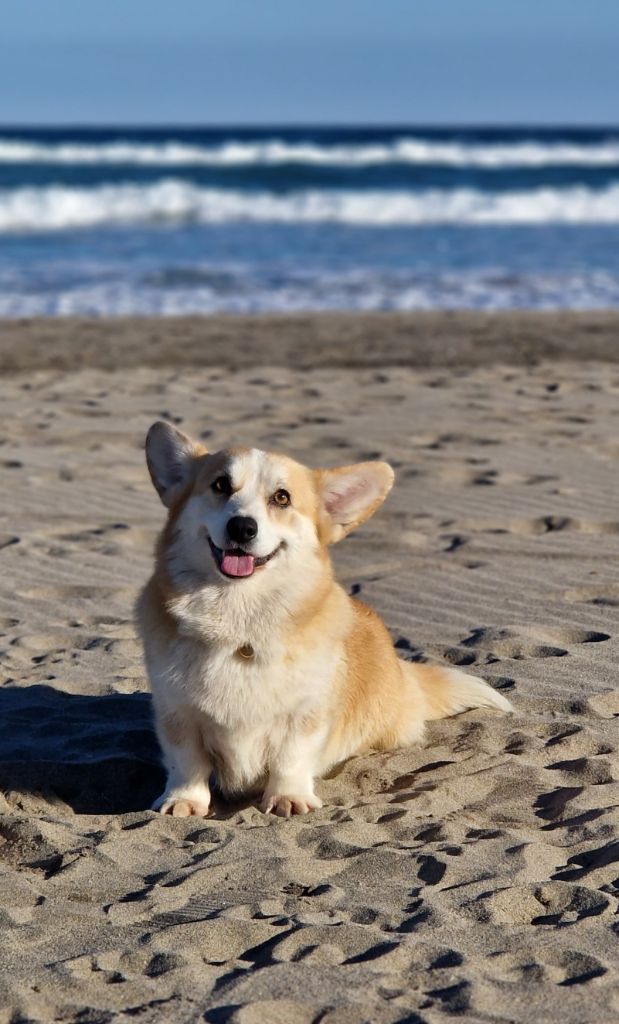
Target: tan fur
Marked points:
322	680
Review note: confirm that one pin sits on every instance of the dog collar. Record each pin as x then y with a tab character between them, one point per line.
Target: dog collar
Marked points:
246	651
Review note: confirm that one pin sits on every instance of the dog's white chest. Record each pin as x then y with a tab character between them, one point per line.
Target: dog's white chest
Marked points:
245	686
240	687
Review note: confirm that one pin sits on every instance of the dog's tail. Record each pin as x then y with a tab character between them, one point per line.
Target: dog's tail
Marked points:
448	691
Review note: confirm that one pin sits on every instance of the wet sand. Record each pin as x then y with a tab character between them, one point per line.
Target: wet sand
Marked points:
433	339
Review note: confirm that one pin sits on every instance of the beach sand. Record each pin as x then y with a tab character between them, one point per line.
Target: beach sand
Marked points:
477	876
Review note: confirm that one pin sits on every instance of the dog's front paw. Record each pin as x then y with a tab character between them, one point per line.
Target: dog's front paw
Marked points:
184	808
286	806
180	806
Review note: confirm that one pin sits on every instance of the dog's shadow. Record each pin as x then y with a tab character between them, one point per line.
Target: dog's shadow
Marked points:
94	754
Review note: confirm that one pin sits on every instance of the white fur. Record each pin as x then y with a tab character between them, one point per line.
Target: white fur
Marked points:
243	710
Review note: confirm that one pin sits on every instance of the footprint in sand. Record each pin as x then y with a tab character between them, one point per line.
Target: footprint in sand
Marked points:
7	540
540	525
559	904
603	595
487	476
589	863
485	645
563	967
585	770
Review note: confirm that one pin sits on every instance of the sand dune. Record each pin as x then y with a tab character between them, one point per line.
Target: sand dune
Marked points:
476	876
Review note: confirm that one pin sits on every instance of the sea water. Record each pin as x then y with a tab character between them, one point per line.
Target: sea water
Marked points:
171	220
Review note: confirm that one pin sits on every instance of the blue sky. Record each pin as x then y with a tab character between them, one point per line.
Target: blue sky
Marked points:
263	61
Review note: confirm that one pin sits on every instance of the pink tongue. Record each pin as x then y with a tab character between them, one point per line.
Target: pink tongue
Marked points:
237	565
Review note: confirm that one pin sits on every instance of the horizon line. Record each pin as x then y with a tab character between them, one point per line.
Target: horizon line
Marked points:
309	124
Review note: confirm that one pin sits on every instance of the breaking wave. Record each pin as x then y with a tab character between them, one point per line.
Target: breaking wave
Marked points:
173	202
272	152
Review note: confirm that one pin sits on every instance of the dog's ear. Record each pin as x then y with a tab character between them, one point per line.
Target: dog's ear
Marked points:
169	457
350	495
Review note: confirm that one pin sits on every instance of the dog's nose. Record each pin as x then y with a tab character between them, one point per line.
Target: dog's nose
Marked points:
242	529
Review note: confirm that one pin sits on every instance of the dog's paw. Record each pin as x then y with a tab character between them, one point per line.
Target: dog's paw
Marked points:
286	806
182	806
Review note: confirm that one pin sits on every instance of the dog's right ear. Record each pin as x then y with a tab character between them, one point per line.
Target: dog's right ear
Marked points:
169	457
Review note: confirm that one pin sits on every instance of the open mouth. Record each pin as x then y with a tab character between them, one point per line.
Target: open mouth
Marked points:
236	563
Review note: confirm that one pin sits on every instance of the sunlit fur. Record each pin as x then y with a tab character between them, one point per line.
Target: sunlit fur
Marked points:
322	682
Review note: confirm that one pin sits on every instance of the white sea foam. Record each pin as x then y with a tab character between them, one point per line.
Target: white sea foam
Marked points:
123	292
272	152
57	208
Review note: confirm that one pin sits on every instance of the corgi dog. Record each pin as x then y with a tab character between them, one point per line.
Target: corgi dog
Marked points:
264	672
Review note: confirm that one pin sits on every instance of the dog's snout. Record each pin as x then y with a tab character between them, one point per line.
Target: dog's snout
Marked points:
242	529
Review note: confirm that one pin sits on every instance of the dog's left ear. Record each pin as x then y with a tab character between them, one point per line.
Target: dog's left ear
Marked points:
170	456
350	495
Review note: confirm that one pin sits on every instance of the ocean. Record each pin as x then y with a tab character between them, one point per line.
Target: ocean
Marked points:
187	220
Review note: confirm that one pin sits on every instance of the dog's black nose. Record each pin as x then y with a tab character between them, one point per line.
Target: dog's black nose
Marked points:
242	529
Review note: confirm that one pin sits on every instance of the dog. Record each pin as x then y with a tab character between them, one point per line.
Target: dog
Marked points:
264	672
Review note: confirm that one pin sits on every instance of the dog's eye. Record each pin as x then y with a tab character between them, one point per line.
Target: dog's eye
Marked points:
222	485
281	498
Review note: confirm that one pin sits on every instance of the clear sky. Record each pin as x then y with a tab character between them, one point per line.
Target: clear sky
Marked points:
288	61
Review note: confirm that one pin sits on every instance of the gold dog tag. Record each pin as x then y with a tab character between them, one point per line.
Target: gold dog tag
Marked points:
246	651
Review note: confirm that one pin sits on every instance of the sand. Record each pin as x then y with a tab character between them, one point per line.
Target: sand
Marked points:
433	339
477	876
